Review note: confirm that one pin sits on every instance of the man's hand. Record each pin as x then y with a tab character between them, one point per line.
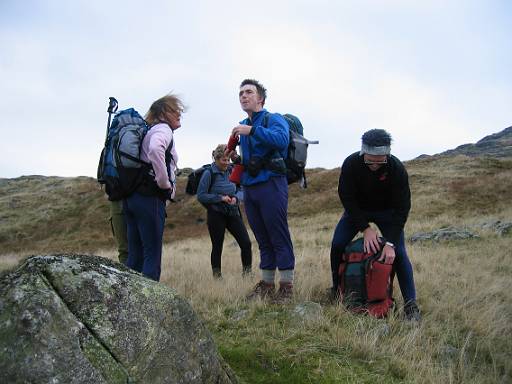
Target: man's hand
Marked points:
388	255
241	129
230	153
371	241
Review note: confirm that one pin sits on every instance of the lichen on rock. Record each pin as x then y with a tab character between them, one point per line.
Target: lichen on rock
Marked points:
87	319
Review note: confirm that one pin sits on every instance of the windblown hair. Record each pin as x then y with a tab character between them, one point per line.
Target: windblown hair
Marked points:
376	138
262	91
219	151
168	104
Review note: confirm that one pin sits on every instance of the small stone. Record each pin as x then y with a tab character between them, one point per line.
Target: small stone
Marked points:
308	311
240	315
383	330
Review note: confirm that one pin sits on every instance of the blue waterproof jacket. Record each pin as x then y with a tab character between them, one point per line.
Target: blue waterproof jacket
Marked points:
270	142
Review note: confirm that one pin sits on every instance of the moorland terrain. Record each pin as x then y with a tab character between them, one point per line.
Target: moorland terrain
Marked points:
464	285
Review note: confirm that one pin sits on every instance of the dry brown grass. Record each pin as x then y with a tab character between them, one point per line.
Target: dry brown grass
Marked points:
464	290
464	287
55	214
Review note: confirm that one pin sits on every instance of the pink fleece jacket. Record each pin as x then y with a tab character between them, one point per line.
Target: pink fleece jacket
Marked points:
154	146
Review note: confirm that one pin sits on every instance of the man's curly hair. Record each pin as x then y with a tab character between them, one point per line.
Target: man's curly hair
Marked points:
376	138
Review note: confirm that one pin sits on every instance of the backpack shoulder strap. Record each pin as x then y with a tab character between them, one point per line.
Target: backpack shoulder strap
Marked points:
265	120
168	152
212	178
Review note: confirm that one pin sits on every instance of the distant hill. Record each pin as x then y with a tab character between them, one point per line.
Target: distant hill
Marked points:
58	214
495	145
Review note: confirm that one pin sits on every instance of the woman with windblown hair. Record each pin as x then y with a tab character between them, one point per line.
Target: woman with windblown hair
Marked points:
145	208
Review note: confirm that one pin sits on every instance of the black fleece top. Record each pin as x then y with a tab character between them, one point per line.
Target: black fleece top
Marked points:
362	190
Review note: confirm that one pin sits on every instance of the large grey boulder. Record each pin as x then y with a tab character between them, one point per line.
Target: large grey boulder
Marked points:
86	319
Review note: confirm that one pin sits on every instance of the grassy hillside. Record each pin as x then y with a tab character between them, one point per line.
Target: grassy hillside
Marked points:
464	287
52	214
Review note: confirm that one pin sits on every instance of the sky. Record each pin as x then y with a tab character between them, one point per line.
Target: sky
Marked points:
435	74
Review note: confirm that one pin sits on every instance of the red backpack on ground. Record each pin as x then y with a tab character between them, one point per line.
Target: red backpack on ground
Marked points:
366	285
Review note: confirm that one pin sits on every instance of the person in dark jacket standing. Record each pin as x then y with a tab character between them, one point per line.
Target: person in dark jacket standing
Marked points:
374	187
264	139
220	197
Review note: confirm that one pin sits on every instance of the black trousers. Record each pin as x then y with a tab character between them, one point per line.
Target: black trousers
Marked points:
217	225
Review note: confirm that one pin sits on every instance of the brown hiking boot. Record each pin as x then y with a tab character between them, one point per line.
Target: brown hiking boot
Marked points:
262	290
284	293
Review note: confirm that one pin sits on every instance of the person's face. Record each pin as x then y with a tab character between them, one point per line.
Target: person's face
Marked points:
374	162
222	163
250	100
173	119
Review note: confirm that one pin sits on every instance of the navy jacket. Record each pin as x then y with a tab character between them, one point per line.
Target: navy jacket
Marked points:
213	185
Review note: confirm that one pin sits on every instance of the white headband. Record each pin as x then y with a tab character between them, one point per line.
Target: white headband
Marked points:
377	151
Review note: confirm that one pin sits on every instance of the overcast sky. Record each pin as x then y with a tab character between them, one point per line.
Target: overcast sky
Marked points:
435	74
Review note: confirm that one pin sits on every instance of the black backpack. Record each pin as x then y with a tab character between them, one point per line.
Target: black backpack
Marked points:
194	178
297	150
120	168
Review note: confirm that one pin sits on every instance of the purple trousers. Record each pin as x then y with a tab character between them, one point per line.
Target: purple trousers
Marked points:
266	206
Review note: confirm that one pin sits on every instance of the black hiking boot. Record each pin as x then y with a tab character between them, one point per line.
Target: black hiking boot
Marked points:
247	271
412	312
333	295
217	274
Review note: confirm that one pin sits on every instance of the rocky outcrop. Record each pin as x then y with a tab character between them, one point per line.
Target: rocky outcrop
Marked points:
442	235
495	145
86	319
501	228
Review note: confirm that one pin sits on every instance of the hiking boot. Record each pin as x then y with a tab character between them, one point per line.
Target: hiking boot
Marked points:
262	290
217	274
333	295
284	293
247	271
412	312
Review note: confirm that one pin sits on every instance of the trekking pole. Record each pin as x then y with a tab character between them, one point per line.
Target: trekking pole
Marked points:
112	108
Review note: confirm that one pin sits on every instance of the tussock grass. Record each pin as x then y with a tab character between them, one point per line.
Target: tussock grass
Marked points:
464	290
464	287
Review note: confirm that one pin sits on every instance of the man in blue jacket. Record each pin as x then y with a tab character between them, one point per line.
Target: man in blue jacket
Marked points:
264	139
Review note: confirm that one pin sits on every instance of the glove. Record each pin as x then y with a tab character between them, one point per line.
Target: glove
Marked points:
232	143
